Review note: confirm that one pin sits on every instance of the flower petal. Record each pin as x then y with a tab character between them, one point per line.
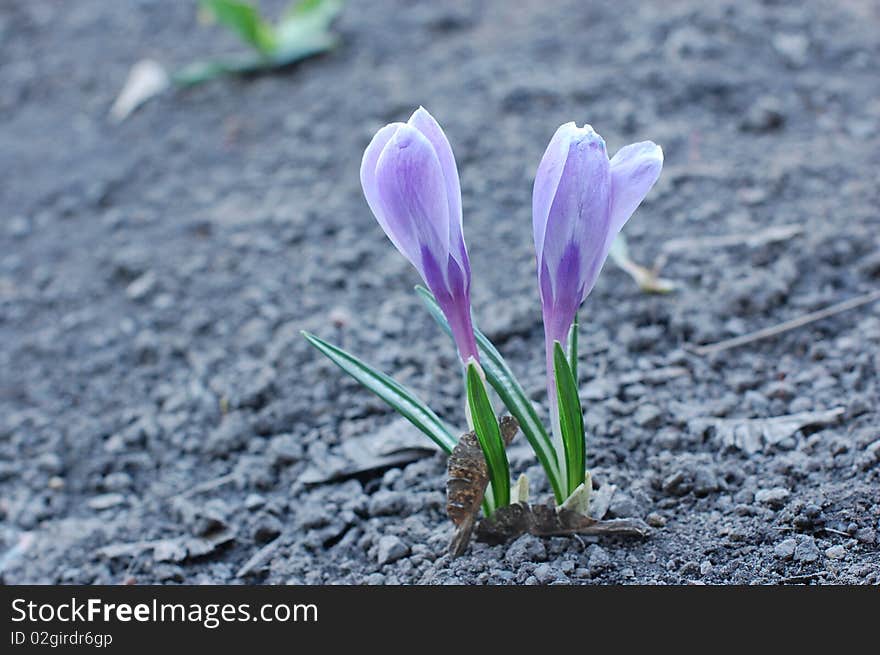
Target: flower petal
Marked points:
425	123
430	128
546	182
634	170
580	215
412	193
403	241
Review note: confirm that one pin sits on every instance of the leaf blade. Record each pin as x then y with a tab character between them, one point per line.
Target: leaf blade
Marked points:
489	435
512	394
398	397
244	19
571	420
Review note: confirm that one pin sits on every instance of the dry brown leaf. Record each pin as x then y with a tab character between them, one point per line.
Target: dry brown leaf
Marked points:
466	483
546	521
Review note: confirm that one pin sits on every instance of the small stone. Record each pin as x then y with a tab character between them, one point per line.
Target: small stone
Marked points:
677	484
705	567
387	503
598	558
835	552
526	548
773	498
374	579
391	549
254	501
793	48
546	574
106	501
267	528
764	115
648	416
118	481
142	287
806	551
285	449
623	506
785	549
656	520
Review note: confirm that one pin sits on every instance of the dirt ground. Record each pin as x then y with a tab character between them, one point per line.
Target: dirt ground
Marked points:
162	420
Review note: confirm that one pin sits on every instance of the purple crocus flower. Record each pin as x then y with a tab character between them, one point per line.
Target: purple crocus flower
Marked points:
410	180
580	202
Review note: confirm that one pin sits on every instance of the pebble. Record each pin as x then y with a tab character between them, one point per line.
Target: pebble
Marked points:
793	48
835	552
806	551
648	416
773	498
142	286
764	115
547	574
267	528
785	549
390	549
599	559
526	548
387	503
656	520
106	501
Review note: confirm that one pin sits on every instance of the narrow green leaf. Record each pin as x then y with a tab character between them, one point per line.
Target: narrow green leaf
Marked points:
244	19
571	420
573	348
512	394
489	435
305	29
404	401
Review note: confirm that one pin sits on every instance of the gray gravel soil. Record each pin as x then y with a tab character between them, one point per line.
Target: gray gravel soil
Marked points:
162	420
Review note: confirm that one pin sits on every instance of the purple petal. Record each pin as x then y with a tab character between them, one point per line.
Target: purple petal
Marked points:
430	128
634	170
425	123
412	193
580	215
404	241
450	285
546	182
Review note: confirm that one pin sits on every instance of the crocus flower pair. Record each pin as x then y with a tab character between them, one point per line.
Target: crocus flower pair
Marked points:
581	200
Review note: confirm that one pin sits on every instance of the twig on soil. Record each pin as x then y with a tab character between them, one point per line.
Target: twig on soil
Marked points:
786	326
801	578
840	532
754	239
209	485
260	558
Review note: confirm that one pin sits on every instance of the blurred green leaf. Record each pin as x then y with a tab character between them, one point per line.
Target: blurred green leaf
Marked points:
305	30
244	19
489	435
573	347
512	394
302	32
571	420
401	399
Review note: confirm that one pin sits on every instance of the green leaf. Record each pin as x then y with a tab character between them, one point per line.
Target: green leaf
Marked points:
305	30
244	19
512	394
404	401
573	347
571	420
489	435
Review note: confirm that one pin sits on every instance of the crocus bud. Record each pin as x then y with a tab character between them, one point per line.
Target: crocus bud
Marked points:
410	180
580	202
